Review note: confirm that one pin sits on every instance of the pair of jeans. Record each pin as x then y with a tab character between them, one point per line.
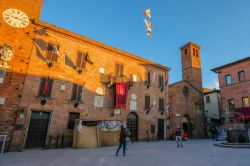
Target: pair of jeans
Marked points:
123	145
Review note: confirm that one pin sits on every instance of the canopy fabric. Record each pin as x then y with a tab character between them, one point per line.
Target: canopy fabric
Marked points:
243	113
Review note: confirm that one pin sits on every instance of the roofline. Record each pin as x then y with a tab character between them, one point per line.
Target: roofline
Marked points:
216	70
190	43
216	90
91	41
176	83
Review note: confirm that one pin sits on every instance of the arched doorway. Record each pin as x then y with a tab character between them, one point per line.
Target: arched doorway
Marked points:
185	124
132	124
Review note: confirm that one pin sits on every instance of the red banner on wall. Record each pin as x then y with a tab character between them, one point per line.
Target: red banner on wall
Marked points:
121	94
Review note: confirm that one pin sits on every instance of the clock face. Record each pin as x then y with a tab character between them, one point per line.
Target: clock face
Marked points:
16	18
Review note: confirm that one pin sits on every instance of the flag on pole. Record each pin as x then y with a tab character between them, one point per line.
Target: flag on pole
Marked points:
46	87
147	12
148	26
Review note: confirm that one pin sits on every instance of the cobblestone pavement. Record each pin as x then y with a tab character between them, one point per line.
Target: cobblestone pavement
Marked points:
162	153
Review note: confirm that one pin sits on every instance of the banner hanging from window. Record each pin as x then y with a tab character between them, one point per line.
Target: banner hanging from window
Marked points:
121	94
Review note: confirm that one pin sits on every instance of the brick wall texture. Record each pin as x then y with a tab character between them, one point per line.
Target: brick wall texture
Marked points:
237	89
21	84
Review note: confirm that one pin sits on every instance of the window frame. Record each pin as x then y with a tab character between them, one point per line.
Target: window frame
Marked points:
148	75
160	82
42	86
82	63
226	82
2	75
119	70
239	76
161	104
208	99
147	102
243	105
71	120
50	51
76	95
231	104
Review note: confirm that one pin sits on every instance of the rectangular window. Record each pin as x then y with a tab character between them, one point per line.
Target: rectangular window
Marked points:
147	102
119	70
231	104
45	87
148	79
245	101
72	117
80	60
161	82
52	53
241	75
207	99
2	75
77	93
161	104
228	79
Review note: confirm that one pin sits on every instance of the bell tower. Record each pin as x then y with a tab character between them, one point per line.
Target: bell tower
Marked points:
16	42
191	64
31	7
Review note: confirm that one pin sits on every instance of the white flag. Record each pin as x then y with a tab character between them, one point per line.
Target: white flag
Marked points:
147	12
79	127
149	26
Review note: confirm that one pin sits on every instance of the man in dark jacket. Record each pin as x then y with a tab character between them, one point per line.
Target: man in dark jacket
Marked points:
122	141
178	138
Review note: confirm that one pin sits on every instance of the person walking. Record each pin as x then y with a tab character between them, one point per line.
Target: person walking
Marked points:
178	138
122	141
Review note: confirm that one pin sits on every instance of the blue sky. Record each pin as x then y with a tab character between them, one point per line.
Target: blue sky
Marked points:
220	27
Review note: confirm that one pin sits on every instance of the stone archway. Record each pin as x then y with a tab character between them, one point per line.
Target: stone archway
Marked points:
187	125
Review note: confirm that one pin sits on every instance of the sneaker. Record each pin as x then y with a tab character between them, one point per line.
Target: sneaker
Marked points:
178	146
124	154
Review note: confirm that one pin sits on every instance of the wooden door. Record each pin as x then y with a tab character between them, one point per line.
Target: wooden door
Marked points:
160	129
37	131
132	124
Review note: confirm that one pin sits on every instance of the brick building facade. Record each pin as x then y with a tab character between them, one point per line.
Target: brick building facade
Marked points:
56	76
186	96
234	81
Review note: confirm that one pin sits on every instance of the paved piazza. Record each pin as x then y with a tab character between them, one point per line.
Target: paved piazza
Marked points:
163	153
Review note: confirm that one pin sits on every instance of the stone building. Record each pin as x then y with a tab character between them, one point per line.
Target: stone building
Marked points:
186	96
234	84
54	76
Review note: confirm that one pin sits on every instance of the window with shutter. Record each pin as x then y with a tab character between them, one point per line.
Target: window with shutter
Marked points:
72	117
148	78
52	53
147	102
161	82
49	54
76	93
42	87
161	104
2	75
119	70
80	60
48	93
241	75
